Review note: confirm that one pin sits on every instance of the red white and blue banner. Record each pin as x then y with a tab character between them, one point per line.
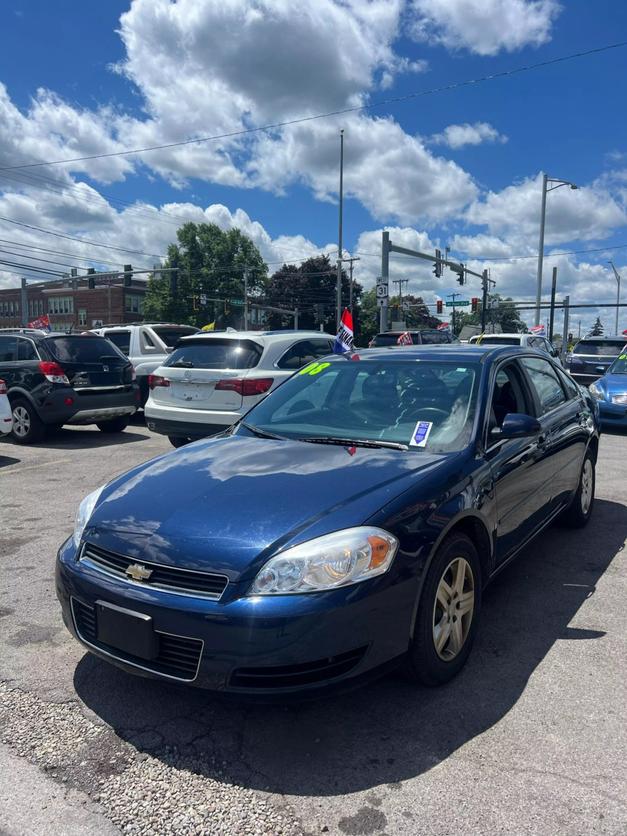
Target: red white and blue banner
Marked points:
405	339
537	329
344	338
42	323
444	326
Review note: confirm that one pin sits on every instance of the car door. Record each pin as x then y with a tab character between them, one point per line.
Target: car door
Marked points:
519	501
562	414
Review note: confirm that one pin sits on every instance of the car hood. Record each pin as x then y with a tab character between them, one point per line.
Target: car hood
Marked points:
225	504
613	384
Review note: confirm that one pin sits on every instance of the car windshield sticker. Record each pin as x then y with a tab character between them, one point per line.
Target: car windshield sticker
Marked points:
460	370
420	434
314	368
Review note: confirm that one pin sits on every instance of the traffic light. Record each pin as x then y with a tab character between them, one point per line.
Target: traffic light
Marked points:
437	267
91	280
128	274
474	304
439	306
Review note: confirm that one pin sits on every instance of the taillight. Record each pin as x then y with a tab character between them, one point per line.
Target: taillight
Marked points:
246	387
53	372
155	380
3	387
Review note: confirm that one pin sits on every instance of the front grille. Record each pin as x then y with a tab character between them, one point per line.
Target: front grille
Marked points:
169	578
288	676
178	656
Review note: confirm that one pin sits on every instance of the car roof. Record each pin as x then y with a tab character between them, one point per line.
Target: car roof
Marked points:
615	338
263	336
444	352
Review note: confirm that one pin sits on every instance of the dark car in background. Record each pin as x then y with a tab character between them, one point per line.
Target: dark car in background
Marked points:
347	523
593	356
55	379
426	336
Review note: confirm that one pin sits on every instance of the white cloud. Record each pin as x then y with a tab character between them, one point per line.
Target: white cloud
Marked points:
484	27
456	136
588	213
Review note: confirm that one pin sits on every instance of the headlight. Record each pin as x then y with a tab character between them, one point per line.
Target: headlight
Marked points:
85	510
621	398
338	559
596	392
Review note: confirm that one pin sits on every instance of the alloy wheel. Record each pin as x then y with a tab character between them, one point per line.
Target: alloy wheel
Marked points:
453	609
587	486
21	421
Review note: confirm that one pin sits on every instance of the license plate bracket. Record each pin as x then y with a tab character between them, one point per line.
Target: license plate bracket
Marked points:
126	630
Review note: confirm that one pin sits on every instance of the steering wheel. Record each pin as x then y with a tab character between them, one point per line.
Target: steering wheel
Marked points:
431	410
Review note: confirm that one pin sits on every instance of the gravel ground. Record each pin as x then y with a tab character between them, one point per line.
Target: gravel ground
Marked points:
530	739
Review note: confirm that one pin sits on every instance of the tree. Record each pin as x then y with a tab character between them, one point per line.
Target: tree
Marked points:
210	262
504	314
310	287
597	328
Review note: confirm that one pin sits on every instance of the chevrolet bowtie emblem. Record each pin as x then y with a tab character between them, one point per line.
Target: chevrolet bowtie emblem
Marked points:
138	572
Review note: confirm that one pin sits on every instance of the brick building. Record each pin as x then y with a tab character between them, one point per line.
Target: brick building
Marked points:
76	303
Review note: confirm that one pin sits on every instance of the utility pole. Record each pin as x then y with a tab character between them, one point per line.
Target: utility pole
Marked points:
552	313
350	285
338	315
385	277
24	303
246	299
453	296
617	277
400	283
566	305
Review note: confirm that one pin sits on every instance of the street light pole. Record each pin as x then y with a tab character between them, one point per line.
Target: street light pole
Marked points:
617	277
338	313
545	190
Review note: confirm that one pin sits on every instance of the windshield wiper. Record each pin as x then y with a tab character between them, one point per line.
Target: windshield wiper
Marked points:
182	364
354	442
261	433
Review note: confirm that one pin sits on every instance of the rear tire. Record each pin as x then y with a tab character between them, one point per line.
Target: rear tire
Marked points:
116	425
578	512
448	613
28	428
178	440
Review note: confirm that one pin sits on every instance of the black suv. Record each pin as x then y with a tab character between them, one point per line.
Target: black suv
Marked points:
56	379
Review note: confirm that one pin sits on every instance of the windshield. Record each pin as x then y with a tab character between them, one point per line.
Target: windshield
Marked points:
215	353
598	348
83	349
171	334
619	366
424	404
382	340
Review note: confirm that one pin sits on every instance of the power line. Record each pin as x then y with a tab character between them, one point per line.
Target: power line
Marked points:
74	256
356	109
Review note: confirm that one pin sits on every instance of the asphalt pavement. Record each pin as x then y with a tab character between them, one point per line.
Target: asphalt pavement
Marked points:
529	739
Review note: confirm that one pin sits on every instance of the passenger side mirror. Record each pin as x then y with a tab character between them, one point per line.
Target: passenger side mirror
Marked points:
518	425
600	369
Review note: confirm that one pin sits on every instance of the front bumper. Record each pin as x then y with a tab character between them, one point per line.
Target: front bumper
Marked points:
612	415
282	644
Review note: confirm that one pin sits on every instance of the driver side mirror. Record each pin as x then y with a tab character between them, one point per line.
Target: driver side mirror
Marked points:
517	425
600	369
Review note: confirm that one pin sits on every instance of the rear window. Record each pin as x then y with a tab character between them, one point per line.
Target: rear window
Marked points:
81	349
120	338
599	347
494	340
215	353
170	334
434	337
391	338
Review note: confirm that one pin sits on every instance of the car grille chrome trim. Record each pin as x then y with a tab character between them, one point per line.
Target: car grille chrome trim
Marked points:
182	653
191	582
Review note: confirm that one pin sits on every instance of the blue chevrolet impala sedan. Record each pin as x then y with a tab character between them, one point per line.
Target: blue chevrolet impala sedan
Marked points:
347	524
610	391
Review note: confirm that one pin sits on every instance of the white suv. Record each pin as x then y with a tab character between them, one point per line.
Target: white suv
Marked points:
211	380
523	340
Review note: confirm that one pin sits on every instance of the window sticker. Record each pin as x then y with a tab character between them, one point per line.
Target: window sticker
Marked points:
314	368
420	434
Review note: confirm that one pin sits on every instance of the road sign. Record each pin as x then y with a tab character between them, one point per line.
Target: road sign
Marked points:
461	303
382	291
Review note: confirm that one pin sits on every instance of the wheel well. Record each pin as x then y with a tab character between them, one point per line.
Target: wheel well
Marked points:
476	531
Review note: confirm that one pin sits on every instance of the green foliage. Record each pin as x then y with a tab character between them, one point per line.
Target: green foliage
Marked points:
597	328
211	262
311	287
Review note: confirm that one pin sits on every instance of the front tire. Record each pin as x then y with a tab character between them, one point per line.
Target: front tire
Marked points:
116	425
578	512
28	427
178	440
448	613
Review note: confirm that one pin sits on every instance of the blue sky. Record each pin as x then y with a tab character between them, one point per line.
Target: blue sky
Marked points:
458	167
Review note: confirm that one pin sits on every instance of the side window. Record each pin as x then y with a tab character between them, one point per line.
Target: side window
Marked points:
147	343
25	350
8	349
508	395
546	383
572	390
303	352
122	339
